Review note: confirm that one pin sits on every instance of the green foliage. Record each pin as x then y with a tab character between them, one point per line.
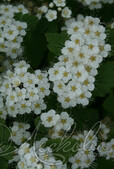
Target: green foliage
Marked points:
84	118
63	148
104	79
109	103
3	163
40	129
8	152
31	20
56	42
102	163
4	133
110	33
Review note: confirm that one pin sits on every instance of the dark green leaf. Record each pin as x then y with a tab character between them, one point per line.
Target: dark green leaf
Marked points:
3	163
4	133
63	148
102	163
56	41
104	79
109	103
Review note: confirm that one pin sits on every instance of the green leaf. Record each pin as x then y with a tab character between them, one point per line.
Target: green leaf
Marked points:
111	134
104	79
110	38
3	163
63	148
35	49
102	163
34	41
41	131
84	117
4	134
31	20
109	103
8	153
56	42
2	121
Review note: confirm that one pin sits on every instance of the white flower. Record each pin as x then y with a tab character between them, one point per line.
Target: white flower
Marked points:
3	113
11	98
21	26
66	12
65	122
56	73
11	33
19	133
51	15
21	8
66	101
74	89
104	130
50	118
59	87
59	3
13	110
38	106
70	48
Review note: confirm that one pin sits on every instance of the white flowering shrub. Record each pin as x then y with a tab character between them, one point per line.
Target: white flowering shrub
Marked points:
56	84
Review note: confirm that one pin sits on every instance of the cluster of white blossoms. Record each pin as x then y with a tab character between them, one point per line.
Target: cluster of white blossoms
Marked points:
23	92
74	75
19	133
37	157
106	149
51	11
59	123
88	146
42	157
11	31
85	155
104	131
95	4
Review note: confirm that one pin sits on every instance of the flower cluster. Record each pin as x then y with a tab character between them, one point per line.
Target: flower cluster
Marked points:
19	133
22	91
104	131
11	31
88	147
38	157
106	149
95	4
74	75
51	11
59	123
85	155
